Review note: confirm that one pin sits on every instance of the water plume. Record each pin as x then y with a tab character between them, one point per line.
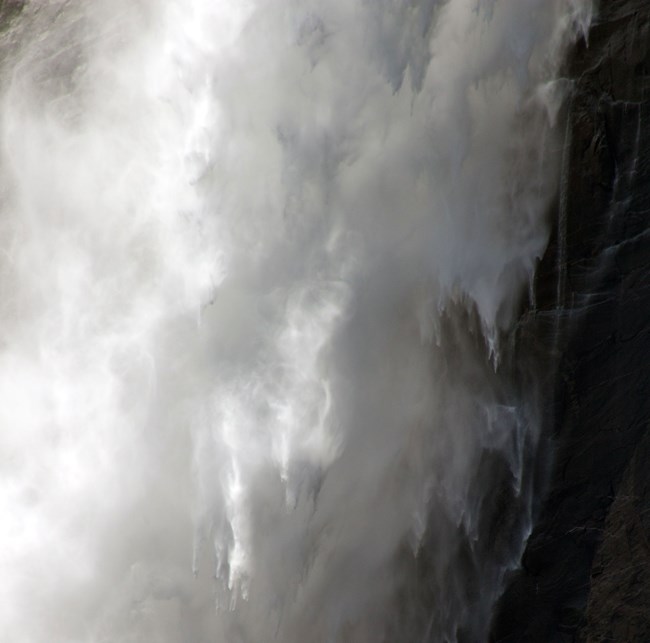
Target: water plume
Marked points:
260	262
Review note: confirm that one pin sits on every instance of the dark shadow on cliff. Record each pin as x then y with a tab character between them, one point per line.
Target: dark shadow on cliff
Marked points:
585	575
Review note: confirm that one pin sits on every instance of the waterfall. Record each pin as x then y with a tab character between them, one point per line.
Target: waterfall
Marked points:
260	266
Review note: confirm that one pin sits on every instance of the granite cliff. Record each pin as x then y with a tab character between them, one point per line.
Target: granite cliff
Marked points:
585	573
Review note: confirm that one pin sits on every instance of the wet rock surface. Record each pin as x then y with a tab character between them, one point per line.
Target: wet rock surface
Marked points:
8	10
585	574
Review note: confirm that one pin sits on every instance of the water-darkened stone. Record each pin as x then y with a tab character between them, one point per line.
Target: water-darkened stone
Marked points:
584	573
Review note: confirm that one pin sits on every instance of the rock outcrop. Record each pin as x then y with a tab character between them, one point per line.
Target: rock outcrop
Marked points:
585	573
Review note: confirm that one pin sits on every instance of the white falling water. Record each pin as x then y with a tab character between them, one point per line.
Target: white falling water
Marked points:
257	261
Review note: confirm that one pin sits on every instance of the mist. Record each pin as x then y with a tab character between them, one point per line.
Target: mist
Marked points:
260	264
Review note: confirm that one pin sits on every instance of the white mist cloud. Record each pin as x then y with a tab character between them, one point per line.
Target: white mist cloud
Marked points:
254	257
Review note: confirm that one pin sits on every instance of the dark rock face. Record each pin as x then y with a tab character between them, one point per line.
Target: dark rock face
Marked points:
619	601
585	573
8	10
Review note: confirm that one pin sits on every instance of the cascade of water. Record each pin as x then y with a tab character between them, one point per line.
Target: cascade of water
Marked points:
256	259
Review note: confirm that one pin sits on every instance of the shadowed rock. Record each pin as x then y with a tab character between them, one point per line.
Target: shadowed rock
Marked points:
584	573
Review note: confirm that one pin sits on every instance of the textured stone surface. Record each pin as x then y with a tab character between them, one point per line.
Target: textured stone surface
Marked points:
584	575
619	600
9	9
